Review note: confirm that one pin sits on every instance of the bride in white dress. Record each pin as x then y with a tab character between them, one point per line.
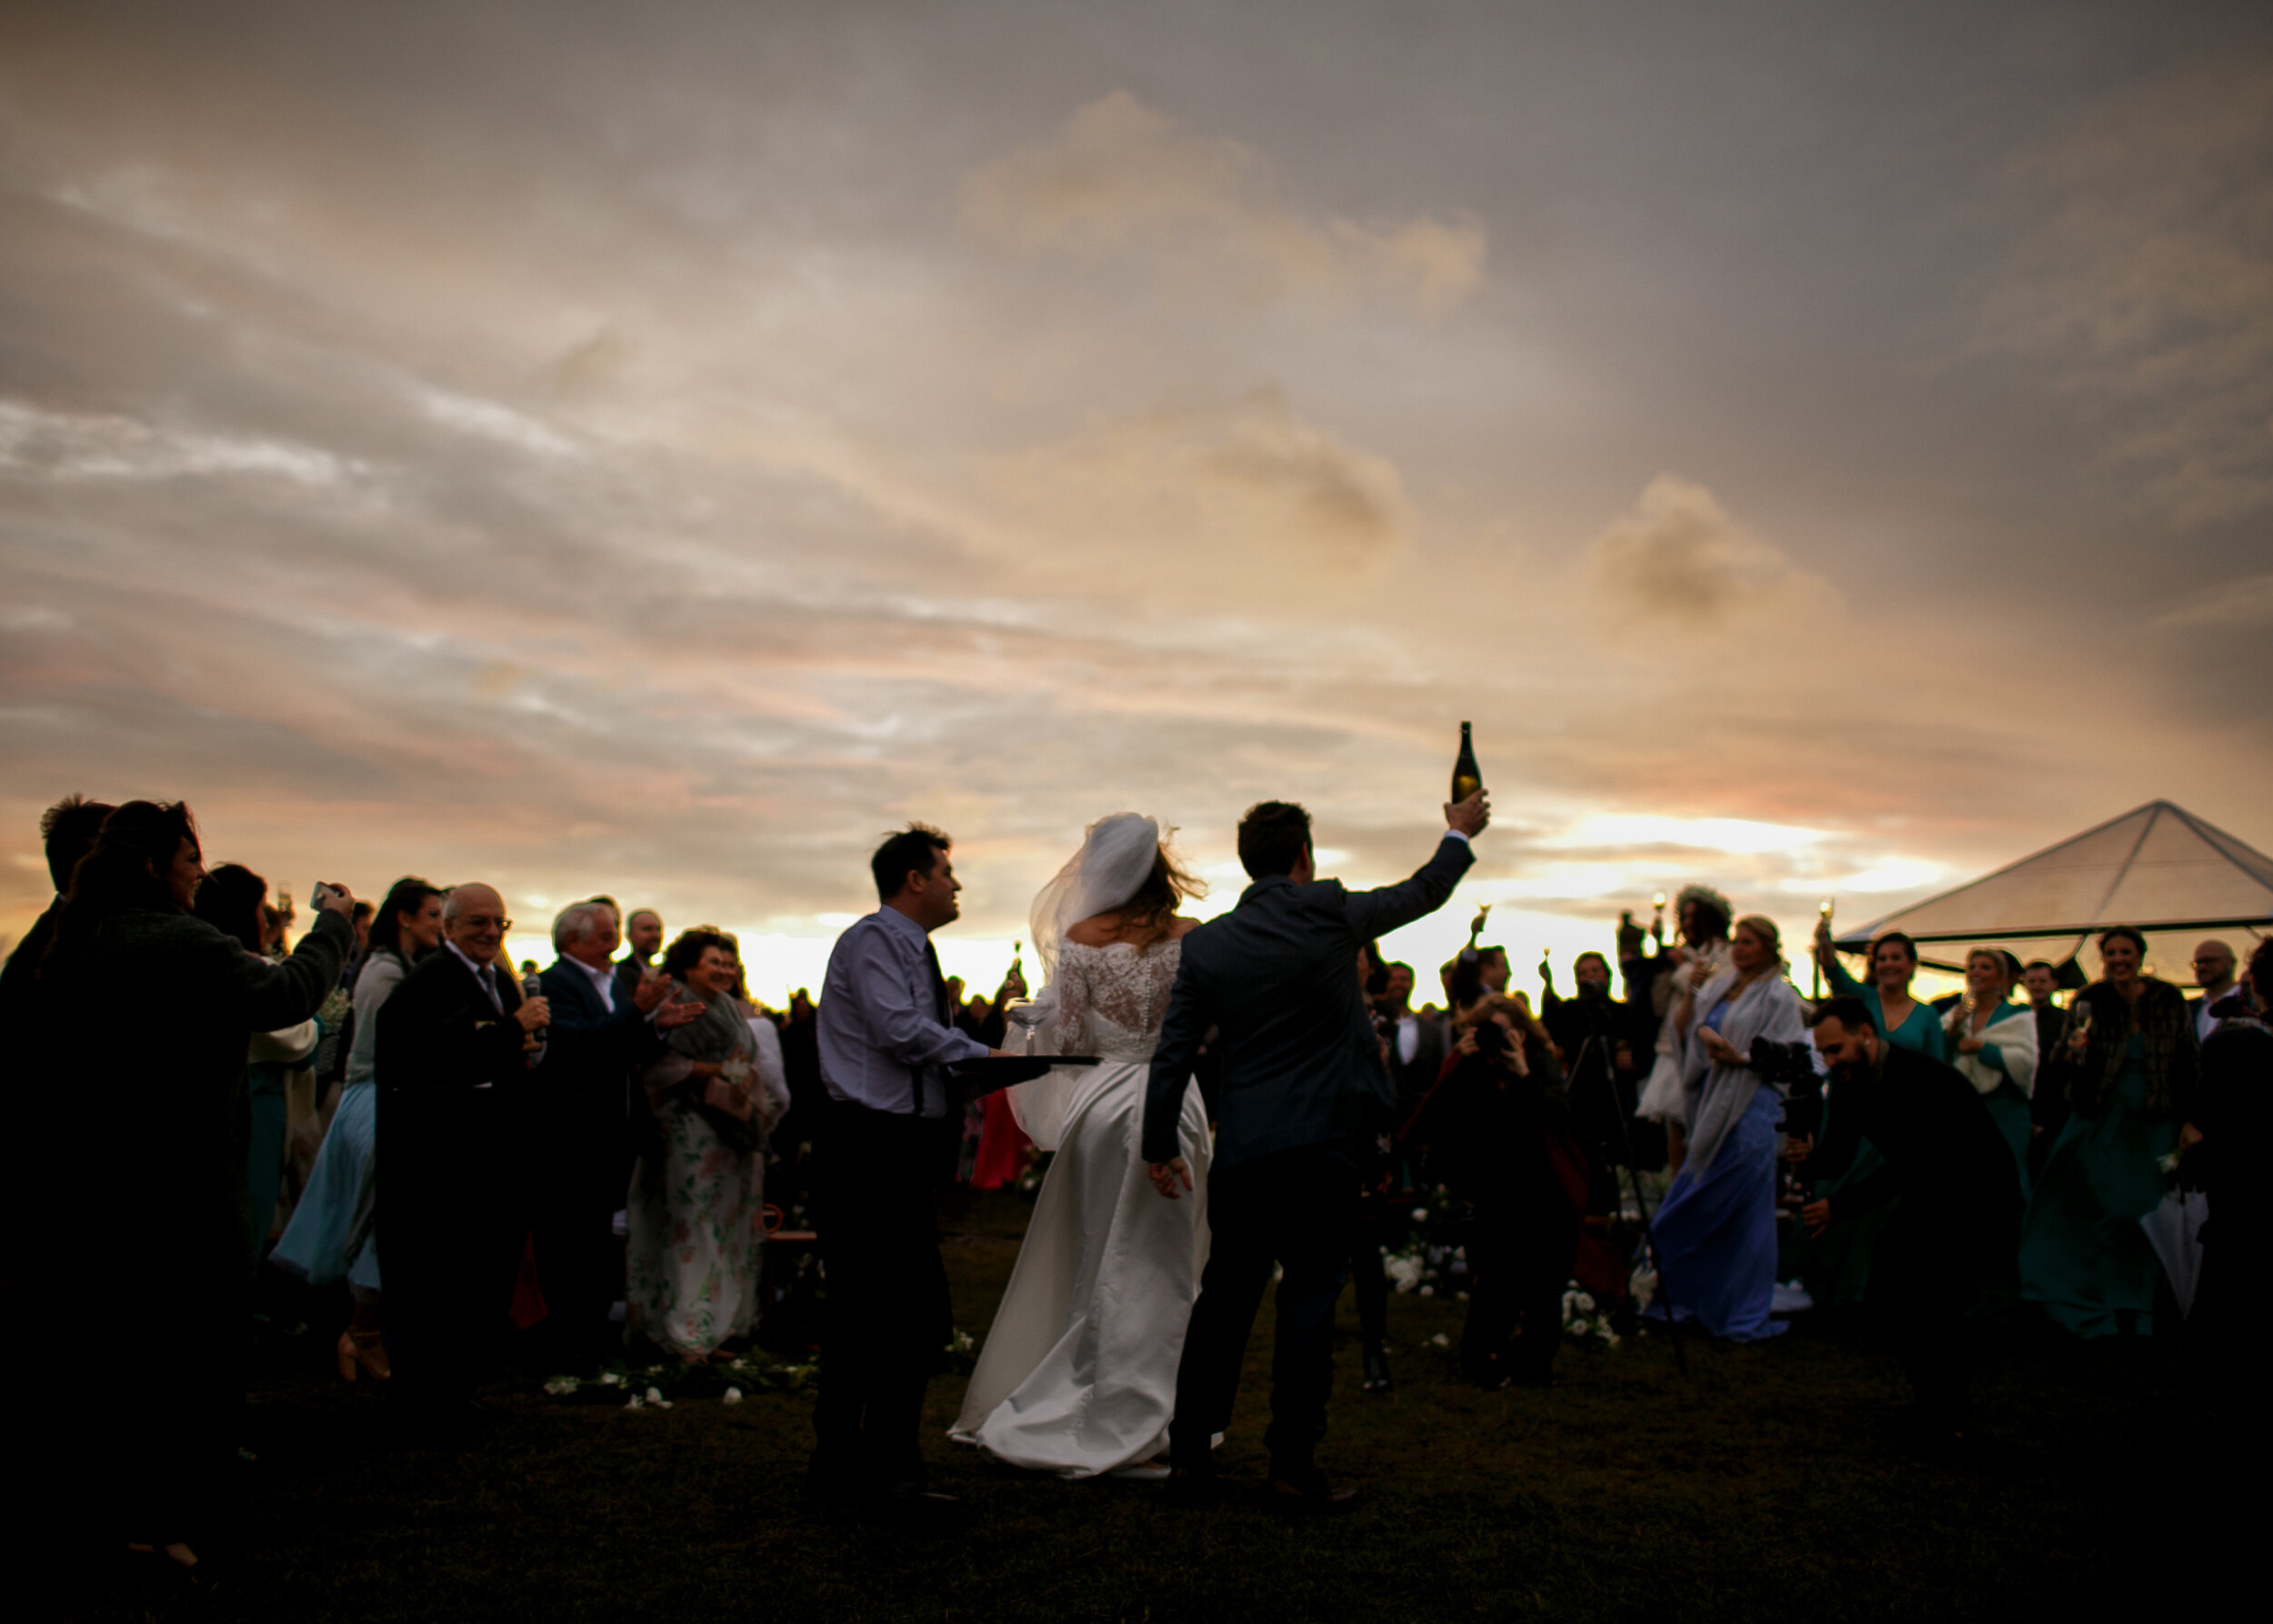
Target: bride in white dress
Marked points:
1077	1376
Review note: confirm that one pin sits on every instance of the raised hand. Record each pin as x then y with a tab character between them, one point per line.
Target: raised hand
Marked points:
1469	816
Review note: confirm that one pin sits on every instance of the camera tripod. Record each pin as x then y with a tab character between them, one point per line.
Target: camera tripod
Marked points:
1633	1177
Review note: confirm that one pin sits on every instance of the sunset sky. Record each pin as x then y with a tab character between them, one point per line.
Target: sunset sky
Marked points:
654	450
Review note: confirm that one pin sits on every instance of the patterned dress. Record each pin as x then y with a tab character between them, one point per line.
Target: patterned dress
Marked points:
695	1217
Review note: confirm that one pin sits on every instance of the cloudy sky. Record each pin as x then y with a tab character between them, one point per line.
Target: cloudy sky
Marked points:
1823	449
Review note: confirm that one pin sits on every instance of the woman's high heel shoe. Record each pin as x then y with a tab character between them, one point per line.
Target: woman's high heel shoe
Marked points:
361	1349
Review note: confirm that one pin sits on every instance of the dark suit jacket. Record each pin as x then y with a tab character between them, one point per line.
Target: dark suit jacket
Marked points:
1277	975
1940	1144
584	1086
439	1033
1415	1078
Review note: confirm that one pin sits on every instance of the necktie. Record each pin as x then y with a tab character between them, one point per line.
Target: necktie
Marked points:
489	986
938	983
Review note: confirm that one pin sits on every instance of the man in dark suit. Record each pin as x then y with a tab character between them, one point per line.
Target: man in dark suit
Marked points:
601	1034
455	1045
1415	1042
2047	1104
1303	1101
1961	1193
644	931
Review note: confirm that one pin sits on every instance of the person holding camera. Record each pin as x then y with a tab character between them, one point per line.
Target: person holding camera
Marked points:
175	1000
1944	1156
1715	1232
1497	1132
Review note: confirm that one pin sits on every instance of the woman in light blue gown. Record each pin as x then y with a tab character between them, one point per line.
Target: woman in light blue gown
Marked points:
1715	1235
329	1238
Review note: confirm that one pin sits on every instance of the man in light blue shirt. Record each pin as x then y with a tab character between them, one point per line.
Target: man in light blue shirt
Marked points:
887	1037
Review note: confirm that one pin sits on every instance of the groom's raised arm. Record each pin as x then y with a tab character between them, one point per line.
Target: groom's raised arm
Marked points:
1377	912
1181	1034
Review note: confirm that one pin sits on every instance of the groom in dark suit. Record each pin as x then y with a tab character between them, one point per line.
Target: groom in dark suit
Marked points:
1304	1096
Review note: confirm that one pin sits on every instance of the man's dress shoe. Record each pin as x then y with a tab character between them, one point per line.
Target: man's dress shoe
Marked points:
1307	1492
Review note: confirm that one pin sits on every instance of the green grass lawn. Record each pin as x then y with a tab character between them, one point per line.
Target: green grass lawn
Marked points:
1763	1484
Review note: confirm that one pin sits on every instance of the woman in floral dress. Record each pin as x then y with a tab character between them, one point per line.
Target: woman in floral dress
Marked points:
694	1214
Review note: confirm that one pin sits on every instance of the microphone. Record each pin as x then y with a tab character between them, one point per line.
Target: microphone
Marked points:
533	987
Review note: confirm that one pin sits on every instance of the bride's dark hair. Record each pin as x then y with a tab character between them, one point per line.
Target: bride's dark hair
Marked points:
1167	887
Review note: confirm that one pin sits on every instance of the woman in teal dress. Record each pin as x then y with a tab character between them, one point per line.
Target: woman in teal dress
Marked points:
1904	1021
2127	1057
1835	1266
1993	1043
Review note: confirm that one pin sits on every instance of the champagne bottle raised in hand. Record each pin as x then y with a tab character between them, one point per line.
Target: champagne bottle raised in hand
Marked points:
1467	778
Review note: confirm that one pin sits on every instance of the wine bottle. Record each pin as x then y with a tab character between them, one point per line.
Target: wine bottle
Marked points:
1467	778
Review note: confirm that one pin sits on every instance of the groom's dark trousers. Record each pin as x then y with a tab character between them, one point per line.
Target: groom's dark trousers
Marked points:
1298	1210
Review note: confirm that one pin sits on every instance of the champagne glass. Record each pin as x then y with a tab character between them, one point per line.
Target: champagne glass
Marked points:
1026	1015
1657	919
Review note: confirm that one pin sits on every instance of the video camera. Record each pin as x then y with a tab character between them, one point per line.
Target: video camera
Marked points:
1791	1067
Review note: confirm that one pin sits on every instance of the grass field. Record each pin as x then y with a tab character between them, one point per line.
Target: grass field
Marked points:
1765	1483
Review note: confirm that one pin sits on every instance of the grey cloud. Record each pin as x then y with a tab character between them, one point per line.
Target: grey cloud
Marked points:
1118	174
1679	559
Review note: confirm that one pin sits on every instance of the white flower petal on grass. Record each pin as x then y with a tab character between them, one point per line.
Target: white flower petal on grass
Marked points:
607	1378
637	1402
1428	1292
732	1396
1440	1340
654	1395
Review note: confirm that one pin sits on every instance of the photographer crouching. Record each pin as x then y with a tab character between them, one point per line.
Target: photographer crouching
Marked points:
1960	1199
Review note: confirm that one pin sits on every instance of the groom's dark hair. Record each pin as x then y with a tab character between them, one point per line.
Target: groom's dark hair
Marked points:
1273	836
907	852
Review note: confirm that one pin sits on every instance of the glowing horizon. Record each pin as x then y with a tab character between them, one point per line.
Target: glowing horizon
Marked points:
1821	452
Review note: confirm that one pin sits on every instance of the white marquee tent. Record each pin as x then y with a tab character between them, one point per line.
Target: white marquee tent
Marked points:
2160	867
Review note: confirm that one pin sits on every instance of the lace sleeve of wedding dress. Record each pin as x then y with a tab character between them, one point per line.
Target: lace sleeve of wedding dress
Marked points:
1040	1106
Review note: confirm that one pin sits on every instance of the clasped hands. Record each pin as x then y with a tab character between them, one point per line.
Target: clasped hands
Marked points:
1167	1176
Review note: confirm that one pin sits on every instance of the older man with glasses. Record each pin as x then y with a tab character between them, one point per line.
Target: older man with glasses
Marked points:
2213	973
456	1046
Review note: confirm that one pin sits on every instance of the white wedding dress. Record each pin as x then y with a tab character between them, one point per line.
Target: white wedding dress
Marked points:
1077	1376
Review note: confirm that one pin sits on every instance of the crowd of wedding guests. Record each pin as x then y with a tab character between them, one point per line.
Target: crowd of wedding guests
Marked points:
384	1108
580	1152
1996	1152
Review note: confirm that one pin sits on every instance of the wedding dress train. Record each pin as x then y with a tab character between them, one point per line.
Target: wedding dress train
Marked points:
1077	1376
